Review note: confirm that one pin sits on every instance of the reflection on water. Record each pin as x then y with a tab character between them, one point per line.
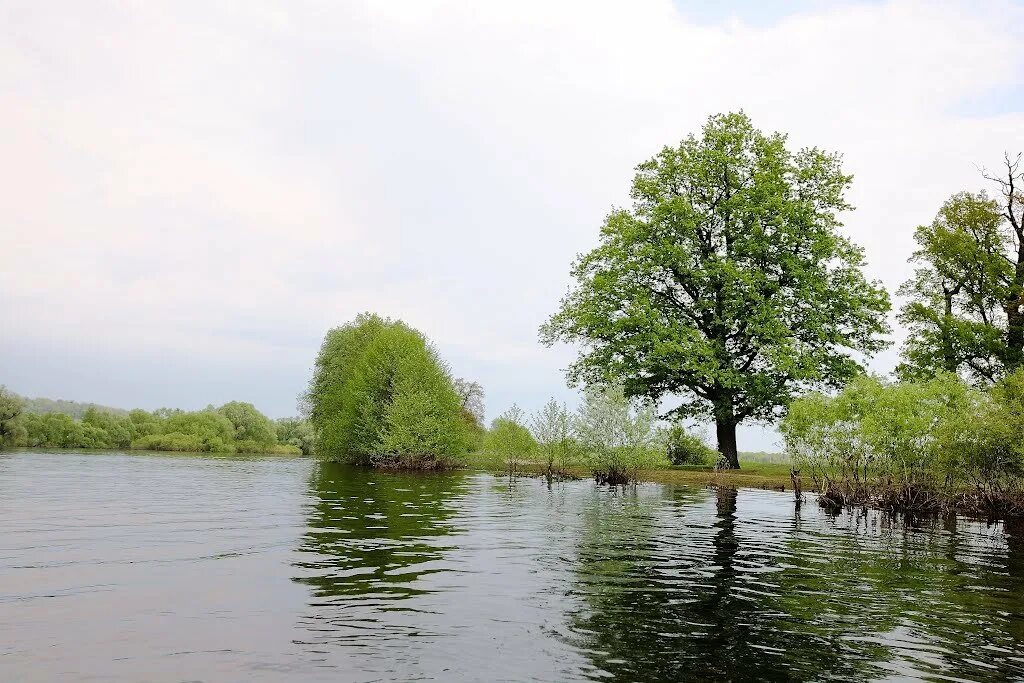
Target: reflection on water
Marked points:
120	567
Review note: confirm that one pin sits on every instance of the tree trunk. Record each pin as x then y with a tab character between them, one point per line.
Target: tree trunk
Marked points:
726	429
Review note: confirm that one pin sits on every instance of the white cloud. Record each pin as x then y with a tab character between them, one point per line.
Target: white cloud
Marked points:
229	181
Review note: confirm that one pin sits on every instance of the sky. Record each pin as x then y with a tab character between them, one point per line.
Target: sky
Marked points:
194	192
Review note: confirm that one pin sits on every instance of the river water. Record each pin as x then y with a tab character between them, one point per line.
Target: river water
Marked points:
128	567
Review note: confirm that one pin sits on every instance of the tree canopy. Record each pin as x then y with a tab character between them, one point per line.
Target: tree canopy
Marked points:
728	284
965	302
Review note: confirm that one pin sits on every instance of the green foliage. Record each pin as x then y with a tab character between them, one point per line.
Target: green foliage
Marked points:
423	425
552	429
618	439
211	431
380	395
688	449
119	430
250	425
206	425
11	408
294	431
955	308
509	439
728	283
55	430
919	441
177	441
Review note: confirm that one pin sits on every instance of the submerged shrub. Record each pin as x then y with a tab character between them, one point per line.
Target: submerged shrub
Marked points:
619	439
381	396
909	445
510	440
552	428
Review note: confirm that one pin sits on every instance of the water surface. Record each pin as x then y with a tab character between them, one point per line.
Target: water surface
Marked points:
126	567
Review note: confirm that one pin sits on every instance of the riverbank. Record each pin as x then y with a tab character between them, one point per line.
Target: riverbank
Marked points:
759	475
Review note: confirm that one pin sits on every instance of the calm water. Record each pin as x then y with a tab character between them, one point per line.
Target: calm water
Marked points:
166	568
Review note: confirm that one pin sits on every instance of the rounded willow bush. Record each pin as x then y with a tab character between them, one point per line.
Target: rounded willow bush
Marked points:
381	396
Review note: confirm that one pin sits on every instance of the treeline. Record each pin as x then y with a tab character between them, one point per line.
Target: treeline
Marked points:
234	427
74	409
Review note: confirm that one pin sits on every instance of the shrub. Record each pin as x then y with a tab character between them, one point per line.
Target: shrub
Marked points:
173	441
684	448
619	439
906	445
552	428
380	395
250	425
295	432
12	430
510	440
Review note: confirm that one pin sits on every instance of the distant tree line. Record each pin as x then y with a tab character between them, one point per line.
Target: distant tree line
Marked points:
234	427
74	409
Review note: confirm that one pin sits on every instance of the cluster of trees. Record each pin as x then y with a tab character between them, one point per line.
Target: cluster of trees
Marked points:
729	285
965	307
234	427
951	430
380	395
73	409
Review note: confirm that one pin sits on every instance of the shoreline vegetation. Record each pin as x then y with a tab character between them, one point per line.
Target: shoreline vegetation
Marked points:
234	427
726	294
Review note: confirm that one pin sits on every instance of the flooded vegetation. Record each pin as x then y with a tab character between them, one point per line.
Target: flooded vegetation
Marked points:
121	567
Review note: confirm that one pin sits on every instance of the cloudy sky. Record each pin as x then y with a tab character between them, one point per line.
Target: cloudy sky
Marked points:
192	193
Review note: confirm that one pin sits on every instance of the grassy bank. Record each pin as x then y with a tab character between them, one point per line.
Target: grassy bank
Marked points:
757	474
761	475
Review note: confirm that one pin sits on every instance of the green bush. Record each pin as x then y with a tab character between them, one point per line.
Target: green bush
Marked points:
250	425
381	396
12	429
173	441
911	444
619	439
684	448
509	440
295	432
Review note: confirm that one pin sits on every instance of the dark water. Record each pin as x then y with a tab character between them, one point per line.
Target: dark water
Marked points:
133	567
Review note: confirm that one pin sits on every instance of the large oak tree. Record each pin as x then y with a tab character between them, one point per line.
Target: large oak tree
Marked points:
728	284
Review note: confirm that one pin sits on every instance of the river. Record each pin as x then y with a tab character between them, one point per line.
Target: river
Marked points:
129	567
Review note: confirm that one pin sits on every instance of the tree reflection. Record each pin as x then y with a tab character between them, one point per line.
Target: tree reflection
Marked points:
694	590
373	534
682	600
